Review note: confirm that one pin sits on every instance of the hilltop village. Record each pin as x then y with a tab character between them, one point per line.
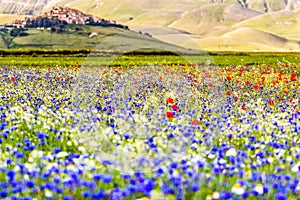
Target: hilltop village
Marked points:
59	16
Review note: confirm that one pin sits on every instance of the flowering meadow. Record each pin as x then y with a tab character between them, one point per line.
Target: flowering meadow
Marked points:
165	131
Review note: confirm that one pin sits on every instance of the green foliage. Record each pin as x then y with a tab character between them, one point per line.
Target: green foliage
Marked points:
15	32
69	57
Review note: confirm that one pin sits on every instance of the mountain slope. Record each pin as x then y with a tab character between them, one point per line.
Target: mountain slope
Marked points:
201	20
282	23
120	7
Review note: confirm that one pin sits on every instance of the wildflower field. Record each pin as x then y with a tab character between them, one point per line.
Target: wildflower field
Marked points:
165	129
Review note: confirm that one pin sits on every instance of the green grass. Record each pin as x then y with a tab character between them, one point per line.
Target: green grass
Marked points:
131	60
77	37
2	45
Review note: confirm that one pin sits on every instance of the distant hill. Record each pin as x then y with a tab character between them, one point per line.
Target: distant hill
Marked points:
88	37
204	21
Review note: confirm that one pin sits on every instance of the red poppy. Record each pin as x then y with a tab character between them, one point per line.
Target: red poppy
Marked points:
256	86
175	108
247	82
293	77
12	79
170	100
228	93
291	99
285	92
195	122
244	108
271	102
210	85
228	78
170	115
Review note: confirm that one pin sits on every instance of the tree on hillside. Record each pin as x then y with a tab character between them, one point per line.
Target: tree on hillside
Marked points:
18	32
240	3
6	37
243	3
266	6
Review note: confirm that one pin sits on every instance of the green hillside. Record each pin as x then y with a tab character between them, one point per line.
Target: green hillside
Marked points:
2	45
83	36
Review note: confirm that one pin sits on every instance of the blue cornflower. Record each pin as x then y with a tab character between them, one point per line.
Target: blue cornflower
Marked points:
11	174
86	194
41	135
173	165
19	155
16	189
56	150
98	177
4	185
99	195
26	198
149	185
107	178
59	190
30	183
225	195
195	187
125	176
68	198
8	161
3	194
280	196
165	188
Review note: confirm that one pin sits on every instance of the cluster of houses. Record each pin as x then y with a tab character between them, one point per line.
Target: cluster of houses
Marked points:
70	15
64	14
